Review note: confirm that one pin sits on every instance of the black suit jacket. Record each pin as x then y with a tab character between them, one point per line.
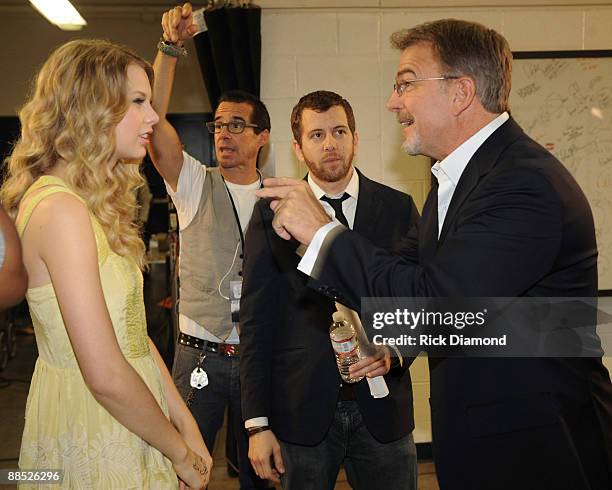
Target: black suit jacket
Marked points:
288	370
517	225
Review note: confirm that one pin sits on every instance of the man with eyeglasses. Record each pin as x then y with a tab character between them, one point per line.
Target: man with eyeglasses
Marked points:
303	421
214	206
504	219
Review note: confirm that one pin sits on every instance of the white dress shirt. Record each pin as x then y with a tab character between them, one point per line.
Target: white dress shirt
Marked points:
349	206
449	171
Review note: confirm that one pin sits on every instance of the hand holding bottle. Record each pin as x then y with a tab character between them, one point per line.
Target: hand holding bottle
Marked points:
373	361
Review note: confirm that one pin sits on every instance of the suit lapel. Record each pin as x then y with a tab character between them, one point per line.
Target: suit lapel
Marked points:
369	208
479	165
428	227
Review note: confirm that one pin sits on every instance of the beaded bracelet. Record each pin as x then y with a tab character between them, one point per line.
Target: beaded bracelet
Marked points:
171	49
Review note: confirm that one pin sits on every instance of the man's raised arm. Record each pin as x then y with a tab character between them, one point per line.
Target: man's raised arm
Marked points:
166	148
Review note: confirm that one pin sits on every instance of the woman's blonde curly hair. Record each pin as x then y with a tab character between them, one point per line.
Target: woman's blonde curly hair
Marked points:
78	99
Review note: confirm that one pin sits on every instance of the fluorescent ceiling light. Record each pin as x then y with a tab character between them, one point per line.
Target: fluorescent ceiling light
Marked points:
61	13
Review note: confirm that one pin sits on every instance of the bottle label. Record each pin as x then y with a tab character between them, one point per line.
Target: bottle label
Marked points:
344	346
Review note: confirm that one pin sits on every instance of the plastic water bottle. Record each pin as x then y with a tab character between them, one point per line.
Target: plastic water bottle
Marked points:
346	346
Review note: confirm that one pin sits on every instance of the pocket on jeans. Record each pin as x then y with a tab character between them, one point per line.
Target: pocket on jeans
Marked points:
185	360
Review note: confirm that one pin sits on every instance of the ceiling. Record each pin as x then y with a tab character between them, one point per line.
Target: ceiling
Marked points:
156	5
103	3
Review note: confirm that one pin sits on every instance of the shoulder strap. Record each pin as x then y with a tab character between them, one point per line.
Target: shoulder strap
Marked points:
50	185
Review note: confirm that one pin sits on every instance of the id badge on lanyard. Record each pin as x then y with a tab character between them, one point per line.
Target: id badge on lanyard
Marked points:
199	377
235	294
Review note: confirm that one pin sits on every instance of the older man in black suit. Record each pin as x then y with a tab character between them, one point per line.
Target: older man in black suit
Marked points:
505	219
296	410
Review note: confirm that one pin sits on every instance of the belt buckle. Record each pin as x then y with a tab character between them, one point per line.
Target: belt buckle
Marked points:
228	350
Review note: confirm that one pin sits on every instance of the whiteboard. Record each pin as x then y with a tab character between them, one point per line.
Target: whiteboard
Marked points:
563	100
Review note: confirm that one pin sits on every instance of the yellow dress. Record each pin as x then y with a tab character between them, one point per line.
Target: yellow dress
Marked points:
65	427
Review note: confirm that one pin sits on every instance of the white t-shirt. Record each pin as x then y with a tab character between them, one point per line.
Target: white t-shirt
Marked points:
186	200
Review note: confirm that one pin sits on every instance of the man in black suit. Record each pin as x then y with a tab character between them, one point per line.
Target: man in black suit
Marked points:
505	220
302	421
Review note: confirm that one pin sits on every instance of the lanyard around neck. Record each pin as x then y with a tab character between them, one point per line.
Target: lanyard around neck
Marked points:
235	209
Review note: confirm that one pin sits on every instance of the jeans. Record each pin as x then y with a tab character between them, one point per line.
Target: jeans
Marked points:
209	403
369	464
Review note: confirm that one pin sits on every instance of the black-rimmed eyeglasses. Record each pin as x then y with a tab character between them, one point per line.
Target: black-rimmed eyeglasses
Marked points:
234	127
401	87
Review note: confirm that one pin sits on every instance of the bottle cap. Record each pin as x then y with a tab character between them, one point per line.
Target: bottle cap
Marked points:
337	316
378	387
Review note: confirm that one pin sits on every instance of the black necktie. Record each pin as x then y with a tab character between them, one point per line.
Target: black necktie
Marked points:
337	205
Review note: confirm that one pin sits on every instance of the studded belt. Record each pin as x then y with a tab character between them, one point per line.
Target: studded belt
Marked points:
229	350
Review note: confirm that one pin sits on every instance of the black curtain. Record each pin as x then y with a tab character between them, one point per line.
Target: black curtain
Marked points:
229	52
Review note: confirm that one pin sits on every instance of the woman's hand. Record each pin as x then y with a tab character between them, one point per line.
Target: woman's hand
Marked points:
193	470
196	444
180	416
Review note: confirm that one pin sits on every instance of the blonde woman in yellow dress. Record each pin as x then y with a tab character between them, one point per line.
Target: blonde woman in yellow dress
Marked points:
102	406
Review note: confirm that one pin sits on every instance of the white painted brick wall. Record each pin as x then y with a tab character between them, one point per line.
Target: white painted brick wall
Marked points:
348	51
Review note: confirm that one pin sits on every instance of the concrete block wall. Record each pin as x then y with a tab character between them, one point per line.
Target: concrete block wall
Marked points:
347	50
